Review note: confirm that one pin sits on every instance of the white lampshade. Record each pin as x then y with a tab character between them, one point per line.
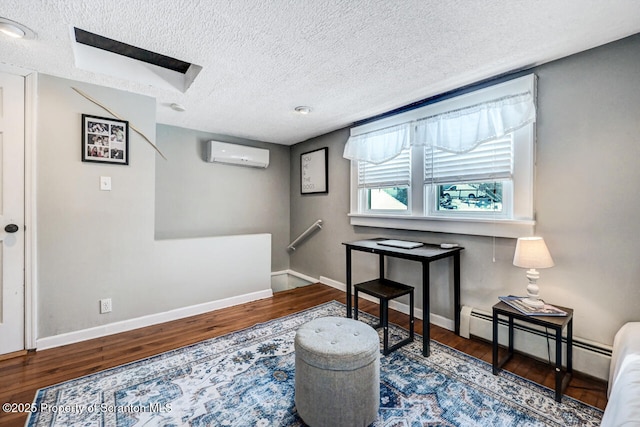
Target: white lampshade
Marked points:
531	252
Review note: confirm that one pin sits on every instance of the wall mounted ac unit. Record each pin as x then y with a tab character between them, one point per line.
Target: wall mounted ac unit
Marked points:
243	155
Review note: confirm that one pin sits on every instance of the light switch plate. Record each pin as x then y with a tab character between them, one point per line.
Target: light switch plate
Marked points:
105	183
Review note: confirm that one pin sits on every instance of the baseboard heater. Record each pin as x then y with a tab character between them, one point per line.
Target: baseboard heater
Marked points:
577	342
588	357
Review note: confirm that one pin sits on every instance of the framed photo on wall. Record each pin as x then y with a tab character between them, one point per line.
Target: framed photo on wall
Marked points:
105	140
314	171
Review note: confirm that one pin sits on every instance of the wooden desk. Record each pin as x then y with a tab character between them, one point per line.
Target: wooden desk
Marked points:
423	254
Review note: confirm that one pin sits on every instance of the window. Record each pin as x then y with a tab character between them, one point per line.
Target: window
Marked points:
457	171
473	197
385	187
476	183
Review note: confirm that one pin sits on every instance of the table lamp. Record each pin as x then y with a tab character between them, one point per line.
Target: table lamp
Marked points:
532	253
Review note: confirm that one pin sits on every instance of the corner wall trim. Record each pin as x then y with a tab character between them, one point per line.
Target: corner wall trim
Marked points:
295	274
30	201
152	319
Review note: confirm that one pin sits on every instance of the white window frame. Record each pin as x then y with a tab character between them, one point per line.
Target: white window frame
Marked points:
517	221
363	200
431	198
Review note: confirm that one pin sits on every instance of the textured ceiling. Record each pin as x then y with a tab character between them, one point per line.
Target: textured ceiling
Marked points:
348	60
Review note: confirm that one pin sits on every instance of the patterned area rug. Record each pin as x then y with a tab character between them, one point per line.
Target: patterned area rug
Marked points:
247	379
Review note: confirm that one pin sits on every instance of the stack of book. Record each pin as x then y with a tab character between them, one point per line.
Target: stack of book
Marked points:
518	304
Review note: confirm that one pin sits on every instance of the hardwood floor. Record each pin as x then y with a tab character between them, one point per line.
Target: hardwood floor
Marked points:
22	376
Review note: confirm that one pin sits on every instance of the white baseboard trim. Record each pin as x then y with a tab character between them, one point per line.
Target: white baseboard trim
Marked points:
288	279
149	320
295	274
401	307
333	283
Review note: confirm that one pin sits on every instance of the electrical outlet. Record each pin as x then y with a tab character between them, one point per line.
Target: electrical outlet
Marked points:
105	305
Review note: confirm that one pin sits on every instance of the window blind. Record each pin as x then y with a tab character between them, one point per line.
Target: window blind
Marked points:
392	173
487	162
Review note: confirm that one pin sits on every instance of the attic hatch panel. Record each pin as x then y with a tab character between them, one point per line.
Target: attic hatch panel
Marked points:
102	55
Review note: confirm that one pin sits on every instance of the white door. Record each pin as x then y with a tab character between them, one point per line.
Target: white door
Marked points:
11	213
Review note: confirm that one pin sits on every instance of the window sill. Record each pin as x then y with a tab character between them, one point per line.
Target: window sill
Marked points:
472	226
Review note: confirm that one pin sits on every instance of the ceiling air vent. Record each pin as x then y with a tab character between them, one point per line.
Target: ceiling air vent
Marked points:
102	55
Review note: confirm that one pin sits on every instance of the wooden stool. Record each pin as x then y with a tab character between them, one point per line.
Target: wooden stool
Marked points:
386	290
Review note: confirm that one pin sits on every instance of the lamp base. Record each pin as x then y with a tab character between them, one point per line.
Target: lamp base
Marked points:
533	292
533	303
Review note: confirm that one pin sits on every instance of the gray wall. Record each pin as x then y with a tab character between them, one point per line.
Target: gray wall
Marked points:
195	198
586	203
94	244
89	242
87	239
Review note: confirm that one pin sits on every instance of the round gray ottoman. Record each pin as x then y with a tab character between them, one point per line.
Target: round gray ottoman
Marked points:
337	378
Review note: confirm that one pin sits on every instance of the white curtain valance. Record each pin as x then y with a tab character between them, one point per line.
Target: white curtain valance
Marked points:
378	146
457	131
463	130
